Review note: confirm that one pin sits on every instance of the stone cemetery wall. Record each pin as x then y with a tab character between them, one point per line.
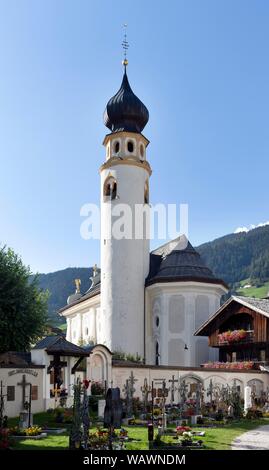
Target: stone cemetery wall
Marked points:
121	374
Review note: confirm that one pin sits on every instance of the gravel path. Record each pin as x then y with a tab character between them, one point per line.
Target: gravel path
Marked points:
258	439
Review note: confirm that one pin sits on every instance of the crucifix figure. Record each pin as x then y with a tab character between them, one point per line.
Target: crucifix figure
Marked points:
210	391
132	381
173	389
129	393
183	387
23	384
198	397
145	393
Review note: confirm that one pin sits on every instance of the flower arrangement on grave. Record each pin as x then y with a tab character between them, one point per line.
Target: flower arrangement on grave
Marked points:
123	433
97	388
32	431
182	429
233	336
98	439
4	438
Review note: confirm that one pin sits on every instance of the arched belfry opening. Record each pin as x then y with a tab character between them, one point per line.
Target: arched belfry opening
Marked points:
110	189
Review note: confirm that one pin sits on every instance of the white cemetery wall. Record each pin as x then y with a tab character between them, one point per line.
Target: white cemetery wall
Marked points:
120	373
11	377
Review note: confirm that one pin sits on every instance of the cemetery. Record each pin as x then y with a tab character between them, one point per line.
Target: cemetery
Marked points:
167	414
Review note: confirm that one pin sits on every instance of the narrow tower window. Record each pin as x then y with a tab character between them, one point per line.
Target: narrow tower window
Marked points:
116	147
142	151
157	354
146	193
110	189
130	146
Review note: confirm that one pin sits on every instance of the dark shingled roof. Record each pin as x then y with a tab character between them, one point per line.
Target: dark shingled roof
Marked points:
179	261
59	345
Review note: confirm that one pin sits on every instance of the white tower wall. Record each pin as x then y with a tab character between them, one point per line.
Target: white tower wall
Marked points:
125	261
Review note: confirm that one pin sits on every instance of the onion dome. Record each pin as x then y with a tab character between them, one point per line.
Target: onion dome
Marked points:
124	111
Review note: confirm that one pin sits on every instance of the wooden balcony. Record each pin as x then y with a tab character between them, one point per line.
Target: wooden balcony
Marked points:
249	338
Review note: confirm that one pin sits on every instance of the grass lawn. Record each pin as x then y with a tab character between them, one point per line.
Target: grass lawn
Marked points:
258	292
214	439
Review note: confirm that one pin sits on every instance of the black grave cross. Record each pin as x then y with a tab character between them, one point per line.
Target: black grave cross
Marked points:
164	394
210	391
132	381
146	390
2	405
23	384
173	388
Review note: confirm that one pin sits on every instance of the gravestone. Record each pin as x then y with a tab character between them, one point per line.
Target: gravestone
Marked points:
101	407
113	409
247	398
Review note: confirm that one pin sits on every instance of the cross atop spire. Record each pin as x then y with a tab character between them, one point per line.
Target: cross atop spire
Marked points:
125	46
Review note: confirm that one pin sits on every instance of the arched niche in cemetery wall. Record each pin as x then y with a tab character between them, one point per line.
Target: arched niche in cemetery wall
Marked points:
238	383
257	386
216	380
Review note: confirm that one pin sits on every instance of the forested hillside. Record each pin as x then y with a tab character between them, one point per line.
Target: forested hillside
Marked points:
234	258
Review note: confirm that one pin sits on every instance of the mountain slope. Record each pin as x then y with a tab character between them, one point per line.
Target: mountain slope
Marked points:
239	256
60	284
233	258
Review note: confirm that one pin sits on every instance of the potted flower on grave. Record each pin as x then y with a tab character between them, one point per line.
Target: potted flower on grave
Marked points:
4	439
181	429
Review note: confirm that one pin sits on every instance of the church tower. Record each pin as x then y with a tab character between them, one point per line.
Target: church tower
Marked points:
124	191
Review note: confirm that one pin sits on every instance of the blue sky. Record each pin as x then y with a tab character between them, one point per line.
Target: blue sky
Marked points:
201	68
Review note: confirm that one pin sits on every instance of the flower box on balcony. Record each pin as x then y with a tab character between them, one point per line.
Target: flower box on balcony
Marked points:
235	336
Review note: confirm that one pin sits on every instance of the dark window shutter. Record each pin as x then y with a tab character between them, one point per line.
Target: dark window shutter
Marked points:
34	392
10	393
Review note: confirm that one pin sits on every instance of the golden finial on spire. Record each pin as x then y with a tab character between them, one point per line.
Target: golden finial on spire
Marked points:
125	46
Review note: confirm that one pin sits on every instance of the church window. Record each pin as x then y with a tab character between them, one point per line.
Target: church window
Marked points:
116	147
86	331
130	146
142	151
157	321
110	189
10	393
146	193
34	392
157	354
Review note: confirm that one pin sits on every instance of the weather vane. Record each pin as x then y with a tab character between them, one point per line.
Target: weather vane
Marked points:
125	46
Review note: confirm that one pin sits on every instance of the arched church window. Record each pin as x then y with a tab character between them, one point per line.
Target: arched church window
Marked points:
110	189
157	322
130	146
146	193
157	354
142	151
116	147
